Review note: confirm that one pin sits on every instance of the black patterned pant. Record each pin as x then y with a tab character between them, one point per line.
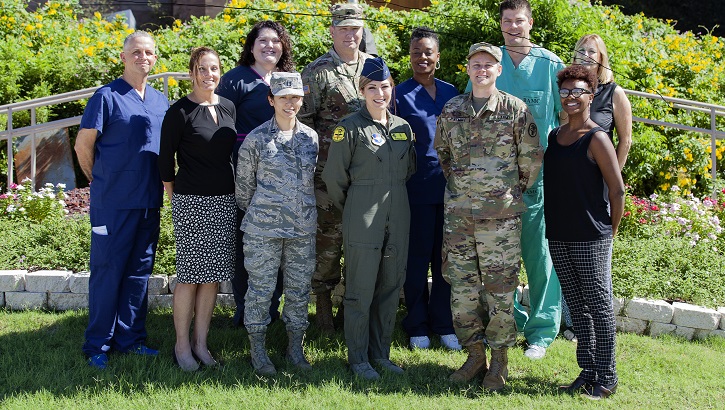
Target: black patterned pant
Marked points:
584	270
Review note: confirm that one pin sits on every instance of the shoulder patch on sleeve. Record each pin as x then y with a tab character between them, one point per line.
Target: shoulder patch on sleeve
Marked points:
306	89
533	130
339	134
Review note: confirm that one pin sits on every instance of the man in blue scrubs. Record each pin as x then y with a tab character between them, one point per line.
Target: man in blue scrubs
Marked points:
117	148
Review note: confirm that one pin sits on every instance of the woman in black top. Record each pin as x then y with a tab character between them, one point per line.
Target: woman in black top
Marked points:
198	131
610	108
579	161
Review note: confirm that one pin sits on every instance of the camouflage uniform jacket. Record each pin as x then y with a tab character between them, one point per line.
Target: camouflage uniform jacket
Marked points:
331	92
274	183
488	158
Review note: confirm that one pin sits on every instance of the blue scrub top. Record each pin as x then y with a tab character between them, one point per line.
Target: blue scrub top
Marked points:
415	105
248	91
125	171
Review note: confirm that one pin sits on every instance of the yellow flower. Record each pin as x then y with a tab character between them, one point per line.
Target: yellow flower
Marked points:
90	51
29	27
668	176
648	71
226	18
665	187
173	82
97	15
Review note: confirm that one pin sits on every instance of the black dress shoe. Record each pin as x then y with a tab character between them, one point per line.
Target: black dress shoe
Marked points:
600	391
578	384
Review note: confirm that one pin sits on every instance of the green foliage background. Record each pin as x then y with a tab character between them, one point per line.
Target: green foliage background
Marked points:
58	48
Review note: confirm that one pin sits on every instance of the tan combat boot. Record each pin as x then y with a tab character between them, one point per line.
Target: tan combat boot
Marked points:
323	317
260	360
498	372
295	352
475	363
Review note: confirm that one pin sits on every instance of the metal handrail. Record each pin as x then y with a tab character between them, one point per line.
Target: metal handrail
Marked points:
10	133
9	109
694	106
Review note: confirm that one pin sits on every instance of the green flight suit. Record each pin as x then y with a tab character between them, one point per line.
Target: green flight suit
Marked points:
367	167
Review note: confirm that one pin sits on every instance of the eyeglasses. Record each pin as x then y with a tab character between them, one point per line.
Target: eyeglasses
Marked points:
576	92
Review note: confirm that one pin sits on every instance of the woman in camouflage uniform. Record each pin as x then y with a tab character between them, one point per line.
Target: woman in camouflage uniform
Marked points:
274	186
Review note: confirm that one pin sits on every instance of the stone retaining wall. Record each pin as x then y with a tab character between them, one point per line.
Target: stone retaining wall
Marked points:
62	290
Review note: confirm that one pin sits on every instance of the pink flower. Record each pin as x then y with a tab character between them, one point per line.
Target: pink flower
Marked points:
3	196
15	186
626	214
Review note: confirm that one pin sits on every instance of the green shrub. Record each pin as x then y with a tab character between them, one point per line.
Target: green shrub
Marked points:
56	243
668	268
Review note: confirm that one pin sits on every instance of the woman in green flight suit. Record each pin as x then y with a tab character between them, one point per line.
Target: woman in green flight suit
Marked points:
370	159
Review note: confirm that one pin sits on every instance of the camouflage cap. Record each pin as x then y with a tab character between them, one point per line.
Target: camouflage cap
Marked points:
283	83
486	48
347	15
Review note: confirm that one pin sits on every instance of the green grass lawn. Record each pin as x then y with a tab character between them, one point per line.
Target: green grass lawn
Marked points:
42	366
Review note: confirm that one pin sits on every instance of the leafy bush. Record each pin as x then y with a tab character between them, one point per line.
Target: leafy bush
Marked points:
56	243
21	202
668	268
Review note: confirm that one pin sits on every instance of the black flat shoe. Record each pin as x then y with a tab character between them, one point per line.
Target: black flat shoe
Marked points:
599	391
578	384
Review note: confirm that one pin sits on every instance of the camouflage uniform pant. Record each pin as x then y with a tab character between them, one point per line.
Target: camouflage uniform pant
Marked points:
328	272
263	257
481	261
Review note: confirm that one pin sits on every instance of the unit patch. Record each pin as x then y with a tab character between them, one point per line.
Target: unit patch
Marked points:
339	134
533	131
399	136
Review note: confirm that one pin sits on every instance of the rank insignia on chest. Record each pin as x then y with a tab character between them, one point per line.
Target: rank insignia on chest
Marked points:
378	139
399	136
339	134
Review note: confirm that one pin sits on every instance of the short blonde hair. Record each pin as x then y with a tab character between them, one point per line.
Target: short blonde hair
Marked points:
604	72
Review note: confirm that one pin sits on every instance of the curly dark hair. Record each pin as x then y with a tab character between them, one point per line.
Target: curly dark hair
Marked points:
286	61
425	32
577	72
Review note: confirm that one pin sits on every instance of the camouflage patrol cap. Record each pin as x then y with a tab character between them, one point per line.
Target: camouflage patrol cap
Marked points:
347	15
486	48
283	83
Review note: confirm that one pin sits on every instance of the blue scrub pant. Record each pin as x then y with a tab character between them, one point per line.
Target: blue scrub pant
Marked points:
240	281
123	246
426	312
541	324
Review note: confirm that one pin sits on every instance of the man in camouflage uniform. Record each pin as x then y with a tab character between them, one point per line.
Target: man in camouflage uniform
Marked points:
489	148
274	186
332	92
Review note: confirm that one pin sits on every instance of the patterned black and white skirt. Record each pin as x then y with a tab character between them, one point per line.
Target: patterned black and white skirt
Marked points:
204	230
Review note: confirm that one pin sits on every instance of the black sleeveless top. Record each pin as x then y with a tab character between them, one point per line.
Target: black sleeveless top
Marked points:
602	108
574	207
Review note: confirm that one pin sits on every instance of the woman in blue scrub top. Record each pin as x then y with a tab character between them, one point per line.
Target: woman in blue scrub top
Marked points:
419	101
